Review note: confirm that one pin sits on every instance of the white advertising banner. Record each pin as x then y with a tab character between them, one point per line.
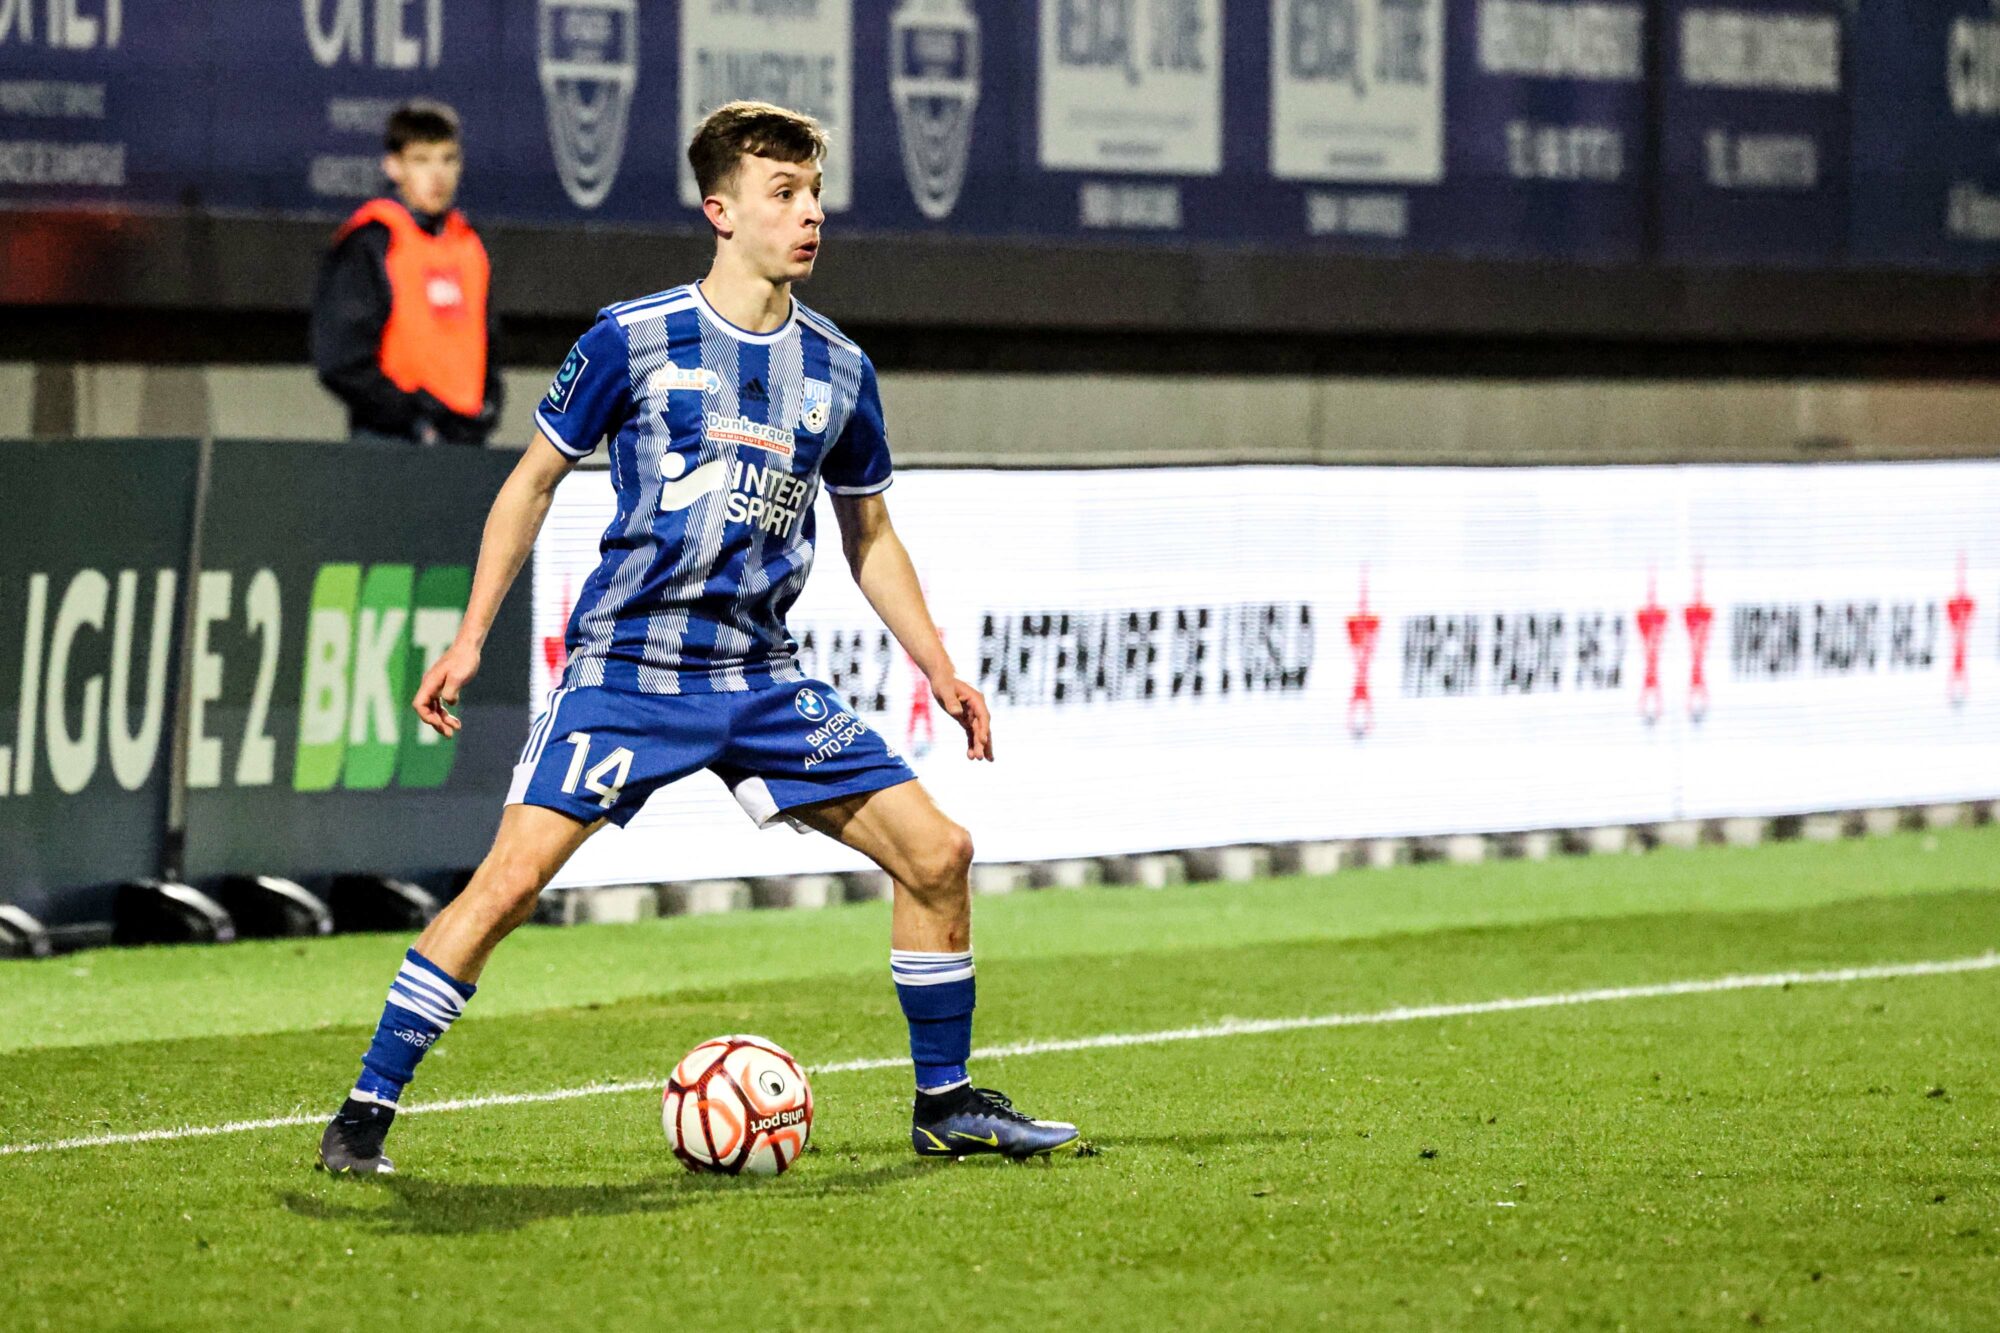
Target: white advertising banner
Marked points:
1189	657
1357	90
1134	86
799	54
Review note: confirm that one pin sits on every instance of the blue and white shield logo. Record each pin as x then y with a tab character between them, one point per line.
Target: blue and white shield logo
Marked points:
934	85
811	707
588	58
816	405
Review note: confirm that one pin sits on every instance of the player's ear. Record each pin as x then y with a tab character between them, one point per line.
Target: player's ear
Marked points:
392	167
717	210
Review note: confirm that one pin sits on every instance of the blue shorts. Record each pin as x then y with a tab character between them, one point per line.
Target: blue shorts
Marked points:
598	753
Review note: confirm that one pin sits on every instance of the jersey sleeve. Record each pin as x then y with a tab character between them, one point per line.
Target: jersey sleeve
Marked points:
858	463
591	395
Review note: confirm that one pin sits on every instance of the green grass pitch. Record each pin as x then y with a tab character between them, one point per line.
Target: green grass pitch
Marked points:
1813	1156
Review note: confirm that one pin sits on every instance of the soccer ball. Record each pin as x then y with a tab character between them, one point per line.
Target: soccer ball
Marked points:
737	1104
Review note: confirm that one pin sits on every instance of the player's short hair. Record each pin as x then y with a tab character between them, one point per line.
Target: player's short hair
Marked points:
755	129
420	120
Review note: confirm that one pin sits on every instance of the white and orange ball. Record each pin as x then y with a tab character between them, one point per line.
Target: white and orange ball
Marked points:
738	1104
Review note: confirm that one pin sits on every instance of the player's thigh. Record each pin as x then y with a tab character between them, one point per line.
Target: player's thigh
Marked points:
899	828
533	844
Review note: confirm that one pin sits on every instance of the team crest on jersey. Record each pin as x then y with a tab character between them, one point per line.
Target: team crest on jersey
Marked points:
816	407
671	377
564	386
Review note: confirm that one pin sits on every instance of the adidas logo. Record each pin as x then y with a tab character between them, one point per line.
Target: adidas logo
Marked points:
754	392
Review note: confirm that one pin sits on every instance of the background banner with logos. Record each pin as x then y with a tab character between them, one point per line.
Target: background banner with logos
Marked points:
1927	133
1754	130
1181	657
1765	131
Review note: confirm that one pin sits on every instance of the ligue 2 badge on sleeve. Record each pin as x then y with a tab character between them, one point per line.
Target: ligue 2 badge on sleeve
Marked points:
934	82
588	56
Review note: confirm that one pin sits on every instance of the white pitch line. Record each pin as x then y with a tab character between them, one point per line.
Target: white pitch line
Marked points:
1233	1027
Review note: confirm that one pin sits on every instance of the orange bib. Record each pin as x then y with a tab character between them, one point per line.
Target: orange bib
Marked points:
436	335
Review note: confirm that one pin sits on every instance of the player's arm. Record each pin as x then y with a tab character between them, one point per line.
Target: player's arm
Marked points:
511	528
883	571
590	398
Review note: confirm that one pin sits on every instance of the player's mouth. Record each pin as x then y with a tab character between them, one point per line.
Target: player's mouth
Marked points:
806	253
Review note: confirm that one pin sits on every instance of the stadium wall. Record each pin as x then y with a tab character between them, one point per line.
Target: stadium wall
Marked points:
1024	419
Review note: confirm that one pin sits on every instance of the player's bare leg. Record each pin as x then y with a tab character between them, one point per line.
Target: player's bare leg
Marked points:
439	973
532	845
929	857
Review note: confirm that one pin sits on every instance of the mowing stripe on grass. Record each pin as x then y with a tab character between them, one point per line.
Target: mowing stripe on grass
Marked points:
1233	1027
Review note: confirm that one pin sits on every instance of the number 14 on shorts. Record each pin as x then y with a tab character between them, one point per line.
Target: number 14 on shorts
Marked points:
605	779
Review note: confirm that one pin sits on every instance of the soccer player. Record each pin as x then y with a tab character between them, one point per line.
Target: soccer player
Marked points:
727	403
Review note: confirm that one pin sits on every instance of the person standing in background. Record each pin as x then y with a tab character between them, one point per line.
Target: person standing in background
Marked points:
402	325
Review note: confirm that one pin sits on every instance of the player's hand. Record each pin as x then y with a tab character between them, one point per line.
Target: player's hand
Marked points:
967	707
439	692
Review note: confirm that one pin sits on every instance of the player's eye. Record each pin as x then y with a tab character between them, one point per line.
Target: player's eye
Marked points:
785	193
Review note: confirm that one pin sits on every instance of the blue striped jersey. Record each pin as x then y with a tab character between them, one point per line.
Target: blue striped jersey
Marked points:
719	439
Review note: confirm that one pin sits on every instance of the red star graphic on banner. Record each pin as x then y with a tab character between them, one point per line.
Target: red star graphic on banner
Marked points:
1960	610
1362	629
1652	622
921	717
555	651
1699	617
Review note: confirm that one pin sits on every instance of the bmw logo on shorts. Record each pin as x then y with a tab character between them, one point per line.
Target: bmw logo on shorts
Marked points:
811	707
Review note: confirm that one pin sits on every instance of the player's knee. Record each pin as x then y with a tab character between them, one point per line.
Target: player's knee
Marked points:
942	870
507	885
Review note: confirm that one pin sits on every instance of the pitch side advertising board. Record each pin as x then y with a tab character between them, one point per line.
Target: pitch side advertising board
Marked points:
1181	657
331	577
92	575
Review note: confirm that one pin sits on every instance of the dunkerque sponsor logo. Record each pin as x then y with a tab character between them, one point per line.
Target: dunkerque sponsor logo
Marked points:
588	58
816	405
742	430
811	707
671	377
934	84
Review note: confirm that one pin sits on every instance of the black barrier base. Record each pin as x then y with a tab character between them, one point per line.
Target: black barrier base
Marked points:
151	911
21	936
373	902
266	907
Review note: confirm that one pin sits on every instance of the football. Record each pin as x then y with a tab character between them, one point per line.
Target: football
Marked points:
738	1105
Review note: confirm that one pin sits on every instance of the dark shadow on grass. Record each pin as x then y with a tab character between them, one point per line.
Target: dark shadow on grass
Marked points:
422	1207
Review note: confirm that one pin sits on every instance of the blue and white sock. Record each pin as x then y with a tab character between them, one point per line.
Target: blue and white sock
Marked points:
424	1001
936	991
